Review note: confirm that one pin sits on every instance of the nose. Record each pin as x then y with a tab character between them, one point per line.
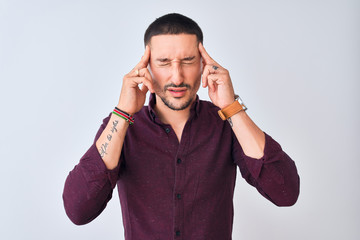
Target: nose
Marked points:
177	76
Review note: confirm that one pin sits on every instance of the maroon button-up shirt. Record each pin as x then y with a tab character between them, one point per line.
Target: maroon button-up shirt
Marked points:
171	190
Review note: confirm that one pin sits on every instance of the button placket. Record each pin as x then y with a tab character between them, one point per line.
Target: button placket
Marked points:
180	173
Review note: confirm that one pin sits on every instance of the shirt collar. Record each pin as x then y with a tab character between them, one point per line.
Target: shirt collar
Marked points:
152	101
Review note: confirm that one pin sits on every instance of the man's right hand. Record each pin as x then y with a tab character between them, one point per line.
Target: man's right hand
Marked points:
132	98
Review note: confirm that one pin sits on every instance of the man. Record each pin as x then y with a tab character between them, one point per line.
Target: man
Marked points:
175	167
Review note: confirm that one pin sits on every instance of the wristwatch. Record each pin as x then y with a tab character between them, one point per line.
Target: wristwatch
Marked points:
237	106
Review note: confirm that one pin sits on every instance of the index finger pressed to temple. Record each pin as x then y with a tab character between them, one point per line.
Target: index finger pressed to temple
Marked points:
205	55
144	59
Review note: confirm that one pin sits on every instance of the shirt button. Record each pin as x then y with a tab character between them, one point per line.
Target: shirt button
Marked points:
178	196
177	233
167	130
179	160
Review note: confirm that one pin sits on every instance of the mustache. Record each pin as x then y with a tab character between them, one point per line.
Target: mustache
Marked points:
176	86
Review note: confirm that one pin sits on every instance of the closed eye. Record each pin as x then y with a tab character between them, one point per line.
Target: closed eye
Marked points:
188	60
163	61
165	64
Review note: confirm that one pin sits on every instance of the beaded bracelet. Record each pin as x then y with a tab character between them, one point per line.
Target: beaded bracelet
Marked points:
127	117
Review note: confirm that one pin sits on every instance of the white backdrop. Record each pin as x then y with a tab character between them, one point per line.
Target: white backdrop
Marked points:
294	63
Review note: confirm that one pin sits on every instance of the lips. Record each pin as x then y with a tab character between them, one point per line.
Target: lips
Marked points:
177	92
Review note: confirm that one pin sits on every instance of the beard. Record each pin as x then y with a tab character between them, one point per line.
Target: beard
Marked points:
173	107
168	101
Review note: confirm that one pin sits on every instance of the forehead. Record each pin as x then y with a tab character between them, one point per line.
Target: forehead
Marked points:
174	46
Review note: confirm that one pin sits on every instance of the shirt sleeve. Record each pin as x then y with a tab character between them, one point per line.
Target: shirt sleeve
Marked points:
89	185
274	175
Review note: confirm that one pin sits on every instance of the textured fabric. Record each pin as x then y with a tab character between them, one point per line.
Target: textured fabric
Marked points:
171	190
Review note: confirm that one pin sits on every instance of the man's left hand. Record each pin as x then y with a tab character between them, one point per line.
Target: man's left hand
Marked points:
217	79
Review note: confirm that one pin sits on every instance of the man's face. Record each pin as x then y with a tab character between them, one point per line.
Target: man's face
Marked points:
176	67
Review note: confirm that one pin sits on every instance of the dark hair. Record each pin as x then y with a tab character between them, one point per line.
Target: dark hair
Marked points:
173	23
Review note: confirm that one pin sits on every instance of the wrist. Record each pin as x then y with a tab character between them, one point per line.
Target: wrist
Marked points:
125	109
232	109
124	115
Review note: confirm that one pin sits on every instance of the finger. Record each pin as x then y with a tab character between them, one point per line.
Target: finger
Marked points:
211	83
134	73
144	72
214	69
144	59
204	78
215	80
136	80
145	82
208	70
207	59
206	73
208	81
140	76
147	85
140	72
144	88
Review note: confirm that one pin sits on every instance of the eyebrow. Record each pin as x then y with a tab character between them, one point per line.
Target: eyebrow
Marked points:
168	60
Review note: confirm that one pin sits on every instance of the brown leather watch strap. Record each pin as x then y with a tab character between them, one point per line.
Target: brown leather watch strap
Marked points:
231	110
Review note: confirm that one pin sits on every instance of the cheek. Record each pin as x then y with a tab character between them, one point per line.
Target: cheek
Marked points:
157	78
194	72
159	73
199	67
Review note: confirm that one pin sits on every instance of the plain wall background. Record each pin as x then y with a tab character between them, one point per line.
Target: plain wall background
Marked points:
294	63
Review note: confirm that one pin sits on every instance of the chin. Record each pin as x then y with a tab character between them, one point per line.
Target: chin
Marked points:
177	104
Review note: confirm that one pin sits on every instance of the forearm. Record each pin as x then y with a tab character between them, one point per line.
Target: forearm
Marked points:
261	160
111	141
89	185
274	175
250	136
271	170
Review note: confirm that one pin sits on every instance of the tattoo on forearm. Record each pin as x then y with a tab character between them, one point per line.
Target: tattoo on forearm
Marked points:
105	145
230	122
103	149
115	123
109	137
